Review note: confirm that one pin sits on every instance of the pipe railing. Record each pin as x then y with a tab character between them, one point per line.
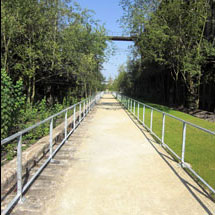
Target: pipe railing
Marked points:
85	106
131	104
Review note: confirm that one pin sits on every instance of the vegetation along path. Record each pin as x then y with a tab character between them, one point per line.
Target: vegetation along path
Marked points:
117	168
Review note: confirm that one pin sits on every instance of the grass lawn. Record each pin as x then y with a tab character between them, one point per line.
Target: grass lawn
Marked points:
200	145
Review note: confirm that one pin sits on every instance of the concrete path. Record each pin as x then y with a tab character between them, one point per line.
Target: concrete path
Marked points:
118	170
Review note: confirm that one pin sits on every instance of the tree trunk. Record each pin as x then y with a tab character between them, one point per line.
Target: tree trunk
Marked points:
176	99
33	89
29	91
50	98
6	45
85	90
192	94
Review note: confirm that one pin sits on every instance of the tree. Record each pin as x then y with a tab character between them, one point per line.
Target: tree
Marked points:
54	47
171	34
49	41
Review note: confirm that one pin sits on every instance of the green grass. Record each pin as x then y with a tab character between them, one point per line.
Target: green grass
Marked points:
200	146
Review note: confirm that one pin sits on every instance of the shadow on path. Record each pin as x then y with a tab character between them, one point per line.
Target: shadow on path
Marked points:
113	105
168	157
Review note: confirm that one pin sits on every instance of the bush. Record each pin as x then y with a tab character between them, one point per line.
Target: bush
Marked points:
12	100
16	115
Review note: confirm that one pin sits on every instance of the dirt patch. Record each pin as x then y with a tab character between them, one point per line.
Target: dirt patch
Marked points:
202	114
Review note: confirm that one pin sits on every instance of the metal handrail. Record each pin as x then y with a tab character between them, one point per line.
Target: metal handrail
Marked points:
184	121
8	139
85	107
131	106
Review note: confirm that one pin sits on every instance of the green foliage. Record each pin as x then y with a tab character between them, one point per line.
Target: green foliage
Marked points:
171	34
28	117
36	113
12	100
122	83
54	46
57	50
10	149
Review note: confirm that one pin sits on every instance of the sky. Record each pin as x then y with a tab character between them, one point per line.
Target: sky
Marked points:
108	12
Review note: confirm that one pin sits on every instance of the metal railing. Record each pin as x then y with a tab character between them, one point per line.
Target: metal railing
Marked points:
134	107
85	107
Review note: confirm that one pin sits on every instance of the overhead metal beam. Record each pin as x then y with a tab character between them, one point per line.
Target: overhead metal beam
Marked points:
121	38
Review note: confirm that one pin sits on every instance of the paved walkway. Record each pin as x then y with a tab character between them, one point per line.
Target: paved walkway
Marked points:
116	170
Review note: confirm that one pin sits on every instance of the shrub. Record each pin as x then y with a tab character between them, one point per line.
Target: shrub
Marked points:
12	100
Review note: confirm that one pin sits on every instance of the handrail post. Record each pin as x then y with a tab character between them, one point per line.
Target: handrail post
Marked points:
74	117
134	108
138	110
19	168
183	143
89	104
65	125
151	120
163	128
79	112
84	108
143	115
50	138
131	105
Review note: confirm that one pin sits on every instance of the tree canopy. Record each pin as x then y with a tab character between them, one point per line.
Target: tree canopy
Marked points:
48	42
171	35
52	51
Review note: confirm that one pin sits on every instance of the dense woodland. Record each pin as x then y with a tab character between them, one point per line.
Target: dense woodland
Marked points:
52	53
173	61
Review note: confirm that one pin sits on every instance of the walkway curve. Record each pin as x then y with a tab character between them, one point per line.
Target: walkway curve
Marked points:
116	170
